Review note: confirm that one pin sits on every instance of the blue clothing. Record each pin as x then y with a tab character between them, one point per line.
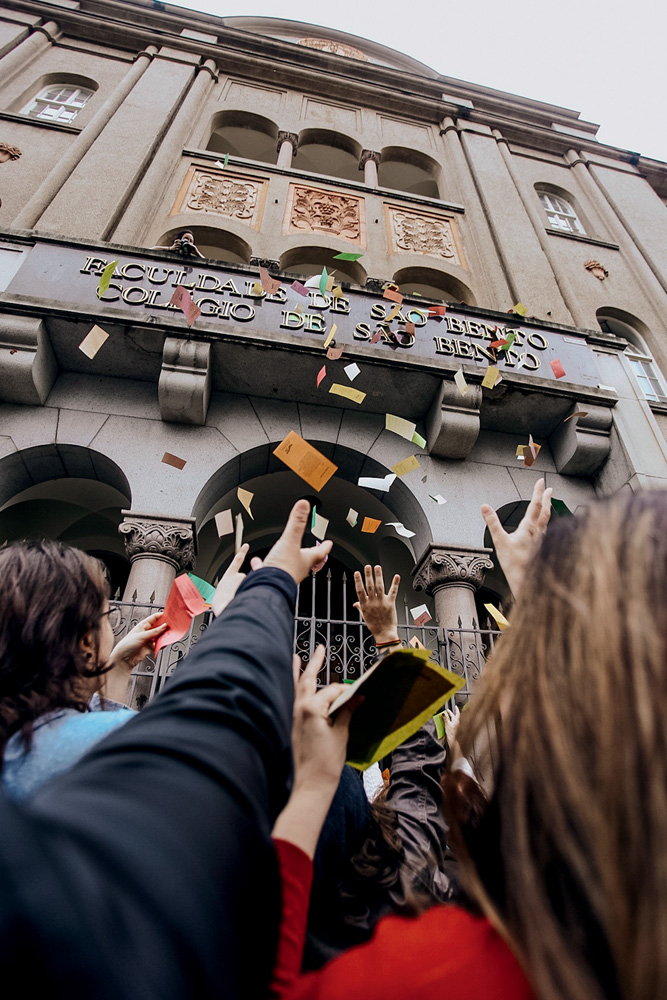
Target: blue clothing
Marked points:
59	739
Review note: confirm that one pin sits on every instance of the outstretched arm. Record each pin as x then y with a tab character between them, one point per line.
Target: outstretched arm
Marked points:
377	607
515	551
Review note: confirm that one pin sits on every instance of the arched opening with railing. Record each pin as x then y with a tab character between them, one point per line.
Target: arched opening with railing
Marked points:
245	135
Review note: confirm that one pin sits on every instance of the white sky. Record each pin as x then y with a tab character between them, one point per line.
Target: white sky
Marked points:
604	58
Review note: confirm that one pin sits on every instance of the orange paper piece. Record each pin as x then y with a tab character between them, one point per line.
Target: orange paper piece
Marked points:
183	604
330	335
394	296
322	374
183	300
376	337
269	284
334	353
370	525
173	460
416	644
308	463
557	368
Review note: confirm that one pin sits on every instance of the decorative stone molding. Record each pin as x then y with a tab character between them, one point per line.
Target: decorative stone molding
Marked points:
336	48
9	152
450	565
315	211
28	366
369	154
580	447
596	268
452	423
417	232
170	540
270	265
376	285
220	193
184	387
290	137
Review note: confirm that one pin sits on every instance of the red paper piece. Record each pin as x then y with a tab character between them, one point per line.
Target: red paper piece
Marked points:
269	284
498	343
183	604
389	293
410	329
557	368
334	353
435	311
321	374
183	300
300	289
376	337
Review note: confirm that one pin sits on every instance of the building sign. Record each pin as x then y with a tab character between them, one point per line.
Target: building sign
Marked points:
227	298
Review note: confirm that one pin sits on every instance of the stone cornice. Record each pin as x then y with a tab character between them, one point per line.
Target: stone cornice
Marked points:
171	539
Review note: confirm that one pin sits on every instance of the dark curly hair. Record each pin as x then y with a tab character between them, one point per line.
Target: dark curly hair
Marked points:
51	595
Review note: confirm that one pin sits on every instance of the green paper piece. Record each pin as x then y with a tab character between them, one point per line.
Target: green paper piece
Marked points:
313	519
226	160
418	440
510	340
205	589
106	278
348	256
348	680
324	277
439	725
560	508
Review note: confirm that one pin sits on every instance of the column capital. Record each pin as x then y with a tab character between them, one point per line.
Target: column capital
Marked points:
369	154
290	137
169	539
451	565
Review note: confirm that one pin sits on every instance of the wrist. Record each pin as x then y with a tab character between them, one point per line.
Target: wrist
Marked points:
386	638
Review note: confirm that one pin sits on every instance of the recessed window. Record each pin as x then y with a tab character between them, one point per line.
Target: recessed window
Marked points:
561	214
58	103
644	368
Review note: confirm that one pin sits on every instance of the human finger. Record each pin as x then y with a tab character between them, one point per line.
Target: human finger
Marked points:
545	510
317	555
379	581
370	583
238	560
393	591
296	669
327	696
308	680
359	587
492	521
256	563
535	505
152	633
296	523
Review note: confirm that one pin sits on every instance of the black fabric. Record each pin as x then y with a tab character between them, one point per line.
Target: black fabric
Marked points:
147	871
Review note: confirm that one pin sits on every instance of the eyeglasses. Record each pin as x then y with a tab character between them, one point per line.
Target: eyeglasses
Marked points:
115	617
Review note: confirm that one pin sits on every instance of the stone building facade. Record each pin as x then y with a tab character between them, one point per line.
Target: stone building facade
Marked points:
282	145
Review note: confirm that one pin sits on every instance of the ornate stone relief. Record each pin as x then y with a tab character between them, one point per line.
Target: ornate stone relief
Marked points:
596	268
420	233
147	535
442	566
337	48
9	152
223	194
318	211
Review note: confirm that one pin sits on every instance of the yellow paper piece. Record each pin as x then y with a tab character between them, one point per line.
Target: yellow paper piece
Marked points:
395	309
418	440
401	692
497	616
330	335
92	342
238	539
246	497
370	525
407	465
308	463
319	526
461	383
257	289
224	523
520	309
349	392
491	377
337	292
105	278
404	428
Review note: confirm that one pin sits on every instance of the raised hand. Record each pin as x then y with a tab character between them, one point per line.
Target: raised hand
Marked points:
230	582
287	553
378	608
515	551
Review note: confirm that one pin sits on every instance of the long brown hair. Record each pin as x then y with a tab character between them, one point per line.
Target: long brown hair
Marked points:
51	595
570	860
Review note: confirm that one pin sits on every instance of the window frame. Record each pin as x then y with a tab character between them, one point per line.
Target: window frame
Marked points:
563	210
67	109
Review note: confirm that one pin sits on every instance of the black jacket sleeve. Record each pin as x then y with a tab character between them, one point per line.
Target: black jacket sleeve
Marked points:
147	871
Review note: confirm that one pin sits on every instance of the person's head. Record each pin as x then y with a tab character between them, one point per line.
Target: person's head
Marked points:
570	859
187	236
55	635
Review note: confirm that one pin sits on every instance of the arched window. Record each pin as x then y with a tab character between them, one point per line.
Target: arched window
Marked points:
560	211
323	152
304	262
408	170
644	368
59	102
433	284
242	134
214	244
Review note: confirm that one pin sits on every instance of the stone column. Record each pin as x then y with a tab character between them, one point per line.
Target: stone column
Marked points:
451	575
54	180
37	42
158	548
288	143
369	164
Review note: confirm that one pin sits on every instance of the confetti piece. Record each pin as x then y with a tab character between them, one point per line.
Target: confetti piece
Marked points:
324	277
257	289
224	523
399	425
401	529
300	289
245	497
560	508
418	440
348	256
313	282
183	300
348	391
420	615
337	292
393	313
436	312
370	525
498	344
416	644
461	383
440	731
305	460
371	483
519	309
206	589
557	368
352	517
508	343
376	337
173	460
322	373
221	164
524	451
238	538
92	342
410	329
573	416
183	604
319	526
437	497
407	465
531	445
105	278
498	617
490	377
392	295
269	284
334	353
352	371
330	335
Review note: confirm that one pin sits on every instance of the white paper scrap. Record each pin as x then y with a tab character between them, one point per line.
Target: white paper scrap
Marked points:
352	371
319	528
370	483
437	497
401	529
352	517
224	523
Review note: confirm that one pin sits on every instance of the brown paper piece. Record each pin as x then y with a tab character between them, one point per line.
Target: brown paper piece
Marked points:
173	460
307	462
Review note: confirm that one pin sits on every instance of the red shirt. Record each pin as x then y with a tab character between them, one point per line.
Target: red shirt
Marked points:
444	953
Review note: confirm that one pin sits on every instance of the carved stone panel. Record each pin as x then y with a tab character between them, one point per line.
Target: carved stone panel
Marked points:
337	48
148	535
221	193
310	210
419	232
